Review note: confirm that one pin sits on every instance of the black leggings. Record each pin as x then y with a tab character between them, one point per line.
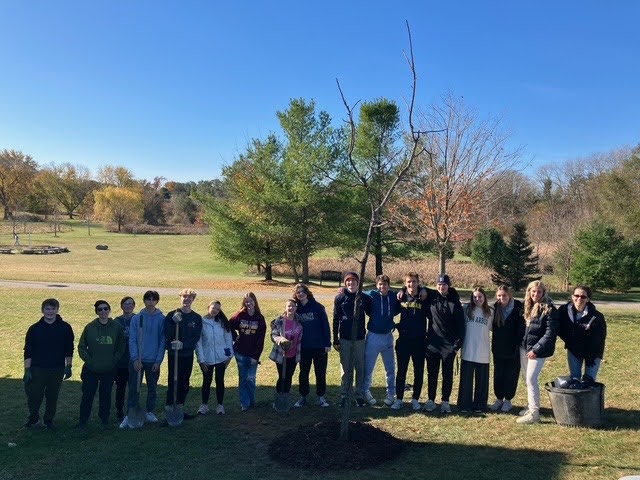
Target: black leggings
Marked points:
207	378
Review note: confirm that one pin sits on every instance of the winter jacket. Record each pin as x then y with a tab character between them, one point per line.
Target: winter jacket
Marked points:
251	330
189	331
383	309
445	335
584	337
153	340
279	334
48	344
101	346
343	315
506	339
540	334
315	324
215	344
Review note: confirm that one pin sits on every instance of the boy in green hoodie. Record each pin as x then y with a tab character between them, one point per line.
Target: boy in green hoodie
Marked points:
101	346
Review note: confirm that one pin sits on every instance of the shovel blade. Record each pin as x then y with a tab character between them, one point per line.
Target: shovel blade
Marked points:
282	403
136	416
174	415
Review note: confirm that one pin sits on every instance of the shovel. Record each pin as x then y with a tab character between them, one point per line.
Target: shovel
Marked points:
282	403
137	414
175	413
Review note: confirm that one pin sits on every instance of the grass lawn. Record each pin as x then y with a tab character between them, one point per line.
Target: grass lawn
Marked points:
234	446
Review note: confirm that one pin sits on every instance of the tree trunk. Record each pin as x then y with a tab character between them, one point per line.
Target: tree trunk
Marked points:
378	250
305	268
268	274
443	260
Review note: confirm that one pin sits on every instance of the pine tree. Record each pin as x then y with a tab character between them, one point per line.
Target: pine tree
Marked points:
519	265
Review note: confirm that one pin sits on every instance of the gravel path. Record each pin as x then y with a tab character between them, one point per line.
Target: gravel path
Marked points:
324	294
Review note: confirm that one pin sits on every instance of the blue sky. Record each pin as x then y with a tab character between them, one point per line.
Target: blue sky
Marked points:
176	89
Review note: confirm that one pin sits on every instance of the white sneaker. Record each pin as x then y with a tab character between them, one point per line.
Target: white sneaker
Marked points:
506	406
523	412
415	404
369	398
322	402
429	406
151	418
389	401
203	410
397	405
220	409
125	423
302	401
531	417
445	408
495	406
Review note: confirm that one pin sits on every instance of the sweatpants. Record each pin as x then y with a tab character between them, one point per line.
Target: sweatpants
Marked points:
358	366
45	384
319	358
380	344
410	349
185	365
505	377
433	369
283	385
473	392
103	384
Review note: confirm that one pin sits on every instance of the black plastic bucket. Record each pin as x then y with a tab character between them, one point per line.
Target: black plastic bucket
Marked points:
577	407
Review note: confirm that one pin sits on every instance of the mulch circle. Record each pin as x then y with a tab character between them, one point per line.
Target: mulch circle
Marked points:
318	447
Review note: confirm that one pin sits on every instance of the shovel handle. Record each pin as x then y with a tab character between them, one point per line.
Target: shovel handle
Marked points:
175	369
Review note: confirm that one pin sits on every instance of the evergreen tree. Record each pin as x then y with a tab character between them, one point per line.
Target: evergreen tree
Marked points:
487	247
518	265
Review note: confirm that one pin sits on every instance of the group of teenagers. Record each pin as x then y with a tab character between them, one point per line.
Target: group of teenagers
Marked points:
432	327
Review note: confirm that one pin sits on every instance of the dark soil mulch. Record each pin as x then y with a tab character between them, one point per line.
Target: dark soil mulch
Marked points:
318	447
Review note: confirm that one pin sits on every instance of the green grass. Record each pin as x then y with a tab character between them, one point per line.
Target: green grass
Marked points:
234	446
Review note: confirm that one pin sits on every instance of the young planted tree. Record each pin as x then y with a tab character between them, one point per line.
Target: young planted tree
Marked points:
378	190
519	265
445	197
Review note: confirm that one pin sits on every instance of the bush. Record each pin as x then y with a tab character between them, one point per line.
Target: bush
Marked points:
487	248
604	260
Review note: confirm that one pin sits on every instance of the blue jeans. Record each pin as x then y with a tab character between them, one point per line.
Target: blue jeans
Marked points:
152	384
575	367
247	380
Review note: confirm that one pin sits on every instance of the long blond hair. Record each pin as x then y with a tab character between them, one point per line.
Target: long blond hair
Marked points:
499	315
534	309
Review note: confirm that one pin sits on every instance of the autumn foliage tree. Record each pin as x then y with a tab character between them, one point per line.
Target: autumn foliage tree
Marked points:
119	205
444	197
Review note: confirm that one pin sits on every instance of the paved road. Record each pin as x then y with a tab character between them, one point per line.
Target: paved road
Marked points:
277	293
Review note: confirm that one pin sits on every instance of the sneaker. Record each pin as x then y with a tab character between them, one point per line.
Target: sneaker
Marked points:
31	424
220	409
204	409
188	416
243	408
389	401
360	402
48	425
523	412
445	408
322	402
151	417
529	418
506	406
497	405
369	398
302	401
124	424
396	405
415	404
429	406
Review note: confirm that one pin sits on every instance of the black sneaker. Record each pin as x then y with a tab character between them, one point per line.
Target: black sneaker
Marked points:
361	402
48	425
30	424
188	416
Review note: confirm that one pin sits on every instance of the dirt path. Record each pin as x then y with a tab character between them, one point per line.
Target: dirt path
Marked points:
275	291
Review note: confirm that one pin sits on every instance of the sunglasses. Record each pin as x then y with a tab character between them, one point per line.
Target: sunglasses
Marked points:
579	296
102	309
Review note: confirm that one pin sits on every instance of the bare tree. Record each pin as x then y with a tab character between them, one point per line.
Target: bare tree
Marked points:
454	173
363	177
